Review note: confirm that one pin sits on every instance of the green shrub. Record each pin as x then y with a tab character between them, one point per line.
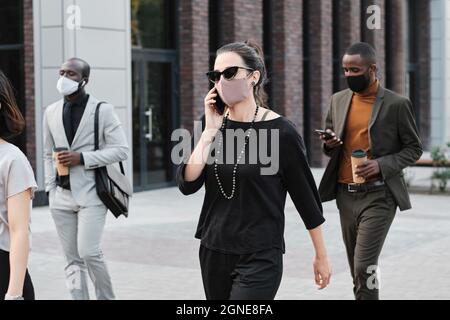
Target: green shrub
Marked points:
441	173
442	176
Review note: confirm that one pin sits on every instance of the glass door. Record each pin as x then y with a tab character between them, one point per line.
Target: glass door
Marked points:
154	115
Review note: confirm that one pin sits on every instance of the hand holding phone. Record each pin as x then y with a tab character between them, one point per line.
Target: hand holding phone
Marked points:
326	134
212	117
220	105
329	138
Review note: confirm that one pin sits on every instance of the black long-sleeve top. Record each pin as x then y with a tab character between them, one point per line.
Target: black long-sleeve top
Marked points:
253	219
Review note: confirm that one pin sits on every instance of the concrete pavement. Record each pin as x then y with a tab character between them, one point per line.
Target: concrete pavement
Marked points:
153	254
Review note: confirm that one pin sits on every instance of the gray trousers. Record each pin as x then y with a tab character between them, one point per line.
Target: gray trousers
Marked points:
365	221
80	230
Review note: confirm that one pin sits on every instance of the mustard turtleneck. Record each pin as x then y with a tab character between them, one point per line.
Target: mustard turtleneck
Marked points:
357	129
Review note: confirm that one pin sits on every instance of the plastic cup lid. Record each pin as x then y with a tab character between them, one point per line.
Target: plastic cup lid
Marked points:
359	153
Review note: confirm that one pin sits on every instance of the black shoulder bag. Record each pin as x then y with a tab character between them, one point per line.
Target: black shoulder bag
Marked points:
113	187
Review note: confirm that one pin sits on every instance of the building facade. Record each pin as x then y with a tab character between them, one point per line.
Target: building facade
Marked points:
149	59
440	72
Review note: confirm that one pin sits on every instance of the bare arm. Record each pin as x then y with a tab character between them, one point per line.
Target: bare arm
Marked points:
18	218
321	265
198	158
213	121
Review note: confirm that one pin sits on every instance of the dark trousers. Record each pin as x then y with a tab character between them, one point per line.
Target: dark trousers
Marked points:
28	290
254	276
365	221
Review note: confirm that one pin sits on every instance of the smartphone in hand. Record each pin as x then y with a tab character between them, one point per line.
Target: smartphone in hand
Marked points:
324	133
220	105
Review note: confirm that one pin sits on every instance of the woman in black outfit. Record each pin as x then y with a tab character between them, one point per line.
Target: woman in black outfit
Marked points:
242	221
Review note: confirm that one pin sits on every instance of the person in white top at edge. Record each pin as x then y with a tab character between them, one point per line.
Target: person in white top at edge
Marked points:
77	211
17	187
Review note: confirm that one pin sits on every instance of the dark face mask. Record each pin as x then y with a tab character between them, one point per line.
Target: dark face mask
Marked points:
359	83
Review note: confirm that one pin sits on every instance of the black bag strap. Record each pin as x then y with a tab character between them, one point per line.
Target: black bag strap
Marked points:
96	121
96	132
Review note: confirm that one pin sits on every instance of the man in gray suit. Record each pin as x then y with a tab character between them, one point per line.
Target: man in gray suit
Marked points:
381	123
78	212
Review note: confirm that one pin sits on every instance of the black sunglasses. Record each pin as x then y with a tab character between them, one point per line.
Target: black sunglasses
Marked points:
229	73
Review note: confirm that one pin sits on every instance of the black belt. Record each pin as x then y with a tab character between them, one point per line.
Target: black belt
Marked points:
363	187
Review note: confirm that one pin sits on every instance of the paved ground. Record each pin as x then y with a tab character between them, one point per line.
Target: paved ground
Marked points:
153	254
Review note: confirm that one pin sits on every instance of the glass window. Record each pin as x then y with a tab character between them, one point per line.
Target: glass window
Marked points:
11	53
10	22
153	24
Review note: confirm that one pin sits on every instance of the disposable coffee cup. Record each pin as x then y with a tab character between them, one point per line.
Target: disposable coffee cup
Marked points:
358	158
62	170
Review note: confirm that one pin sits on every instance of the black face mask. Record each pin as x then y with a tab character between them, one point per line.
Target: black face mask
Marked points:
358	83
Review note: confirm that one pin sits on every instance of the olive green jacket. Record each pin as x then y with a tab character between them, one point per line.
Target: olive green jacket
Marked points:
393	139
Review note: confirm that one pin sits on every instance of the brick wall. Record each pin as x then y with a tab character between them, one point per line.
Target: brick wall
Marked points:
320	73
242	20
348	24
396	51
40	198
29	81
376	37
194	59
287	60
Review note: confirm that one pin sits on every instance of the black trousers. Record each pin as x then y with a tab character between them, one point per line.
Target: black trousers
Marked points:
365	221
28	290
254	276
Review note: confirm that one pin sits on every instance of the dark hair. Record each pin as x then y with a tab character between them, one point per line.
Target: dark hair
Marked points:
12	122
85	67
253	57
365	50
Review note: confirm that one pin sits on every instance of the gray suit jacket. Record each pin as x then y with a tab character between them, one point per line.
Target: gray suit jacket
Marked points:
393	138
112	143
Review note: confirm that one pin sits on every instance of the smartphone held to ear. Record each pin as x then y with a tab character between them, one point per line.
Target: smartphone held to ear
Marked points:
220	105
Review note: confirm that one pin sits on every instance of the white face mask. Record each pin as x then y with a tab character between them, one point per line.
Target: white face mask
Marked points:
67	86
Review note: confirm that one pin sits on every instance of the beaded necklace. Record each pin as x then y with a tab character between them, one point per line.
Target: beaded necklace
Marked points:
247	137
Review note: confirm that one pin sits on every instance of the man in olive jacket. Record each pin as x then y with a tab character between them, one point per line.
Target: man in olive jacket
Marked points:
381	123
